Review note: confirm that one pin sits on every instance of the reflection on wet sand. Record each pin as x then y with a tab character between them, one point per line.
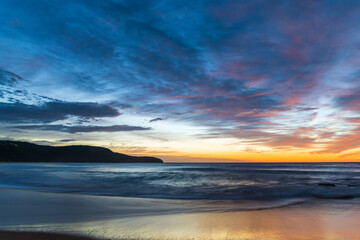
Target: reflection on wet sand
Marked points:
334	220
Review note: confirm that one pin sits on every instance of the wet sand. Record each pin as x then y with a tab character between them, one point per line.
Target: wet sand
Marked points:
39	236
144	219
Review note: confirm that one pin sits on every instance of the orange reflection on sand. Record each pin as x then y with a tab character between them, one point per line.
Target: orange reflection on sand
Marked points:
313	222
323	220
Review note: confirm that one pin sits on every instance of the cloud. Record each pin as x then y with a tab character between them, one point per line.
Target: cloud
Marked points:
219	64
350	100
343	142
66	140
8	78
82	129
157	119
54	111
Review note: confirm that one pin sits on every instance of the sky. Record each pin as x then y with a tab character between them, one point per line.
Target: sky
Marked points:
193	81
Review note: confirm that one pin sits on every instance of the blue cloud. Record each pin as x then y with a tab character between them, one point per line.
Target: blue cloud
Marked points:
216	63
54	111
82	128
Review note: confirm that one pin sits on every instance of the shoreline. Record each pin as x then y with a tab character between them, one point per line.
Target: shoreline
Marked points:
28	214
28	206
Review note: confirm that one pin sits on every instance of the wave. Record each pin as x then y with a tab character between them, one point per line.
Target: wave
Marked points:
263	205
189	181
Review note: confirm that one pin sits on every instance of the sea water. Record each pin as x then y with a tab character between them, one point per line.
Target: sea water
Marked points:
213	181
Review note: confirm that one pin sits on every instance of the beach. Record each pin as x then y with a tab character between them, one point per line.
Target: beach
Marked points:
38	236
99	217
180	201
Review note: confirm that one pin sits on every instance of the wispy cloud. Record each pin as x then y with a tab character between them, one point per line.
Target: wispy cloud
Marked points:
221	65
156	119
83	129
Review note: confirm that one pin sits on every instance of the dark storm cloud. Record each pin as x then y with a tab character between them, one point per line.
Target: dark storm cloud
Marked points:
53	111
83	129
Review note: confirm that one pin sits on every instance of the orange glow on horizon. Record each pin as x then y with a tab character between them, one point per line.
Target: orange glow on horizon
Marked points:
252	157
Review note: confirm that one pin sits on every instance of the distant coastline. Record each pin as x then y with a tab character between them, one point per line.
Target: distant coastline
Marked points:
15	151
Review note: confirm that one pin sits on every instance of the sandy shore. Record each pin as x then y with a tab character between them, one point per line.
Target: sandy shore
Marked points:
144	219
38	236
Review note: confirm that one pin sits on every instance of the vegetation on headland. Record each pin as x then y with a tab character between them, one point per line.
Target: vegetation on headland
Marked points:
14	151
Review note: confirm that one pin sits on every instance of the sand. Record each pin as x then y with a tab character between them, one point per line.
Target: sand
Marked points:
39	236
144	219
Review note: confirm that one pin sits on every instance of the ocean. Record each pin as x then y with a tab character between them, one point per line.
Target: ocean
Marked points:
211	181
178	201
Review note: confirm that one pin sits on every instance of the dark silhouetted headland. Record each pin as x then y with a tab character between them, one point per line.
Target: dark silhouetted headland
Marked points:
13	151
